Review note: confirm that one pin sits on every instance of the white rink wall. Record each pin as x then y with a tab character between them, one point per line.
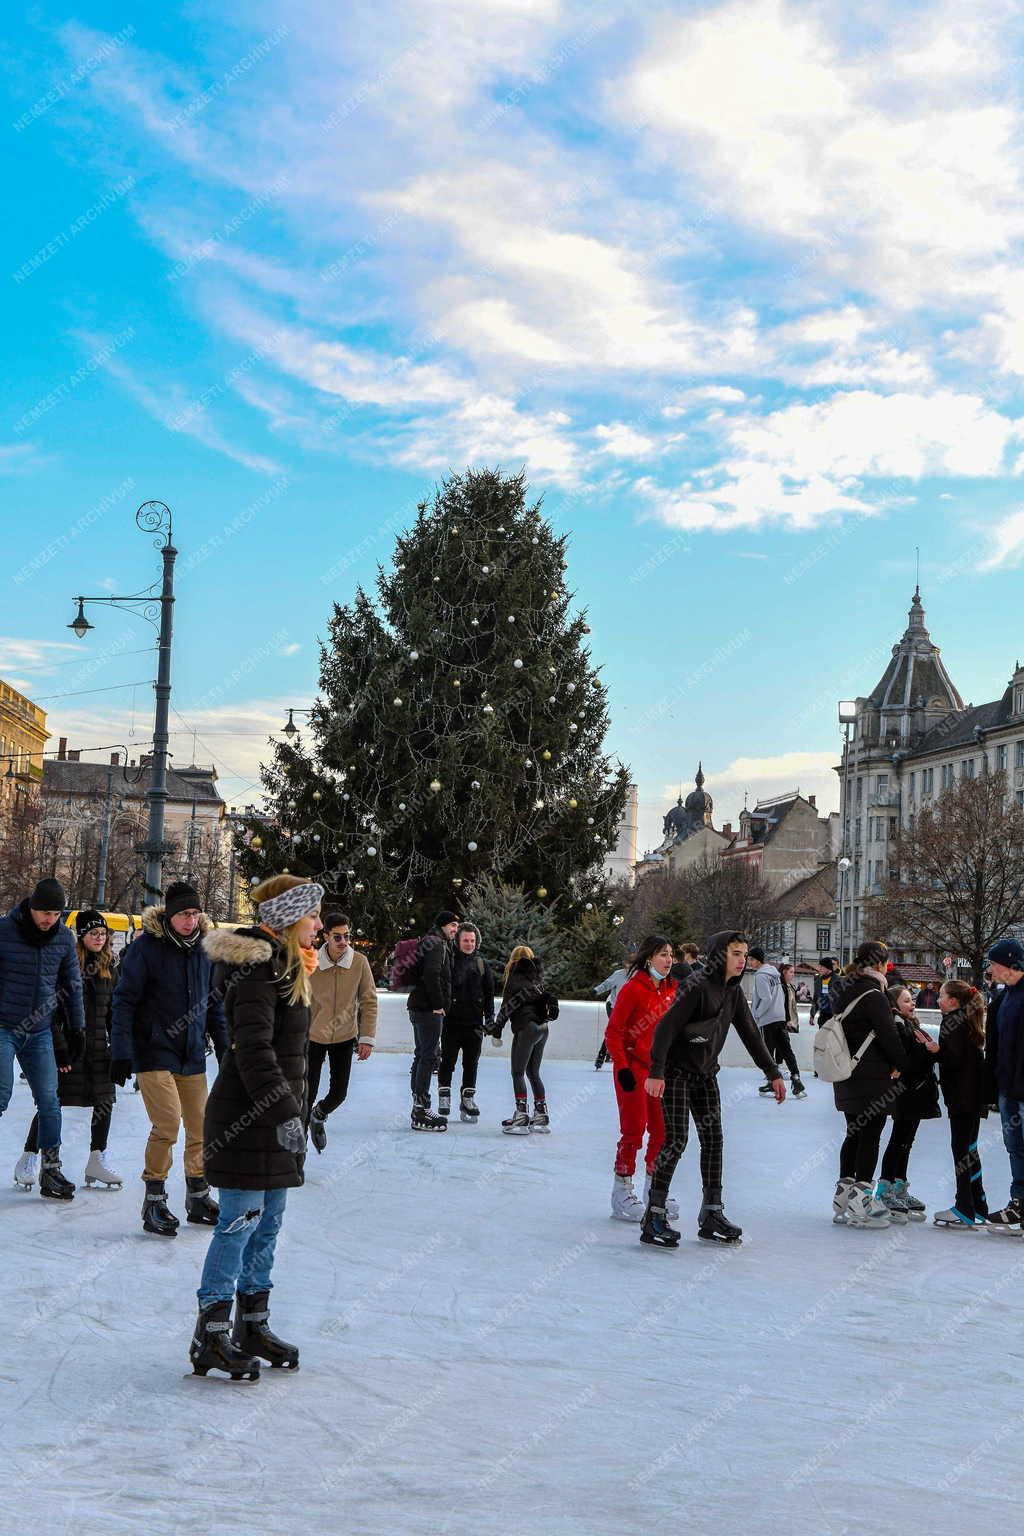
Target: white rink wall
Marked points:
576	1033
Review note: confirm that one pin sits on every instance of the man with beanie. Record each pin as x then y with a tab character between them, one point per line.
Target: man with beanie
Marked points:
1004	1055
39	968
429	1001
164	1009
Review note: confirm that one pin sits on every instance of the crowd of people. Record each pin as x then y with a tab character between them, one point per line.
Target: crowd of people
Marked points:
280	1000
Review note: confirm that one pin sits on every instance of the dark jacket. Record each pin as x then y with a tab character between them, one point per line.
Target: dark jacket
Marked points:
964	1077
262	1078
525	999
472	990
432	989
871	1083
88	1082
917	1096
1014	1089
164	1002
821	997
36	970
691	1035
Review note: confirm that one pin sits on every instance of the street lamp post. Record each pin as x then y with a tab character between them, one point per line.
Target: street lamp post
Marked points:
847	717
152	517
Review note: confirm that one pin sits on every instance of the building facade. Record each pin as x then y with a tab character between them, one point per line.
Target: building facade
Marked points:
688	833
912	737
785	839
23	738
621	864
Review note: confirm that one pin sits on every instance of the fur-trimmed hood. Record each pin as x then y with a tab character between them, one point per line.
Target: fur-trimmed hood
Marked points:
153	922
239	946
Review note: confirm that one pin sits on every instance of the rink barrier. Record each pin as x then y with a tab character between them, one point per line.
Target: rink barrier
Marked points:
577	1032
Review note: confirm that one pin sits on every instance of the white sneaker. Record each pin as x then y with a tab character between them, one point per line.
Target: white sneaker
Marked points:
26	1170
671	1206
864	1210
97	1172
626	1204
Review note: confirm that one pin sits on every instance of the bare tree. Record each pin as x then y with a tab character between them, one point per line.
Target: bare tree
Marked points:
708	896
957	877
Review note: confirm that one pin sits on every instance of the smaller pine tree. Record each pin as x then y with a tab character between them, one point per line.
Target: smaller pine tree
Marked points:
506	917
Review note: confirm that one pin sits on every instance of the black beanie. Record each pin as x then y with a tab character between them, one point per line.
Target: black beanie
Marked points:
446	916
48	896
179	896
89	920
755	952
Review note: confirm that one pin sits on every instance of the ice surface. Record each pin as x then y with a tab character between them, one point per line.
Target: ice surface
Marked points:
483	1350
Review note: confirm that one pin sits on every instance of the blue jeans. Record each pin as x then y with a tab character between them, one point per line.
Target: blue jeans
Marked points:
426	1029
34	1054
241	1251
1011	1112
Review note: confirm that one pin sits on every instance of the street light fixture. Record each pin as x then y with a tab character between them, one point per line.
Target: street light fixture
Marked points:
289	728
847	718
151	517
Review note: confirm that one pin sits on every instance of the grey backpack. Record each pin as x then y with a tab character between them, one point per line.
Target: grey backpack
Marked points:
834	1062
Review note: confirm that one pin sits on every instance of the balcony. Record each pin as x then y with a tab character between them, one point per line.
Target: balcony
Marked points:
884	799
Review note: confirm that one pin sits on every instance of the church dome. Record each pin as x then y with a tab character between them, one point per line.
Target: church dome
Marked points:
699	804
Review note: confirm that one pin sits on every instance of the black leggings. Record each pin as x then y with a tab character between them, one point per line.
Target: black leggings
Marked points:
527	1053
858	1154
686	1094
339	1058
99	1134
455	1038
897	1154
970	1191
776	1038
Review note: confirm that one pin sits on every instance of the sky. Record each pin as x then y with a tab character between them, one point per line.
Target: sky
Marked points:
737	284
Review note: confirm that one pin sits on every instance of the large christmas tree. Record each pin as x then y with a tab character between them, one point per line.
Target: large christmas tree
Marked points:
459	728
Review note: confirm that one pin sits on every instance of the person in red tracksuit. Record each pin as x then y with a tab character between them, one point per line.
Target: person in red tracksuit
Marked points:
641	1001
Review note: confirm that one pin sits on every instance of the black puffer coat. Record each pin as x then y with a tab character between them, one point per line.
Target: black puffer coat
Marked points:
690	1036
871	1083
88	1082
525	1000
964	1075
262	1079
918	1092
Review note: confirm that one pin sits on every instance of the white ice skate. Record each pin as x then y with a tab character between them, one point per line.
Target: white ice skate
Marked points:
671	1205
841	1202
97	1172
26	1170
864	1210
626	1204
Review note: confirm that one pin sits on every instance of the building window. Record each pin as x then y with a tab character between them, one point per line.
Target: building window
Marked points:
913	785
927	781
1018	761
882	783
894	826
856	832
947	775
1019	797
967	768
1001	759
856	879
860	790
824	940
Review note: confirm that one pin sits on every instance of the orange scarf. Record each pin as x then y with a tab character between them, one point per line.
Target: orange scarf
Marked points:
309	955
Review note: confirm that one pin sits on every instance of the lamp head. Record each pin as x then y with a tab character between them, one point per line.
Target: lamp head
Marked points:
80	624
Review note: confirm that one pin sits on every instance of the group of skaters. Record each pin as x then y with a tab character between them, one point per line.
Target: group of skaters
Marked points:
281	999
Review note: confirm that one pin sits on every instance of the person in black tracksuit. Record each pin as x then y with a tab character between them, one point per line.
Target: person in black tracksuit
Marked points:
471	1013
968	1089
916	1098
866	1097
527	1006
428	1003
685	1051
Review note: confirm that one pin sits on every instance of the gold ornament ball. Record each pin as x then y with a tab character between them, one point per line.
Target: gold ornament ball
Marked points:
573	804
257	842
546	756
456	683
435	786
542	891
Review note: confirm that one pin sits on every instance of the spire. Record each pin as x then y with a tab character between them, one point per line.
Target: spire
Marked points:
700	776
916	625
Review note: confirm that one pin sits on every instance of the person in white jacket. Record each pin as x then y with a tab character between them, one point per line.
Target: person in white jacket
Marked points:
768	1006
609	990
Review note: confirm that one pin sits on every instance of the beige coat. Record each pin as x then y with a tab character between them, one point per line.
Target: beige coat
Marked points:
344	1000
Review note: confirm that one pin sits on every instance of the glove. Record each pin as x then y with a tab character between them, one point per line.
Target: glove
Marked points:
496	1037
120	1072
291	1136
74	1044
626	1079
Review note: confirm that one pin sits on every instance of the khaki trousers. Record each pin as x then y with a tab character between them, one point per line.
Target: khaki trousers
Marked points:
169	1098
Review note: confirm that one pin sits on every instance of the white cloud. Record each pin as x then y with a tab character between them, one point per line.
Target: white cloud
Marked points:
15	458
492	430
622	441
1007	543
34	655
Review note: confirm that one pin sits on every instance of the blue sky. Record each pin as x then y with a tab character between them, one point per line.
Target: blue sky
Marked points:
739	284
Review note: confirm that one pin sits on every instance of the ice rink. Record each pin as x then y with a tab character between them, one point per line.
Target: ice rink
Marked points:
485	1351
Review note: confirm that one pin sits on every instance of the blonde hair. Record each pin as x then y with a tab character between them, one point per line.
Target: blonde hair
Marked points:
98	963
521	952
301	991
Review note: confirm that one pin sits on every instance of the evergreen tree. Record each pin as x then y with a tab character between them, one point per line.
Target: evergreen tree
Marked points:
506	917
459	728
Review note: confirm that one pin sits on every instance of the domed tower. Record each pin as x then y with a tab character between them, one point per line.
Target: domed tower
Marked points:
699	804
914	692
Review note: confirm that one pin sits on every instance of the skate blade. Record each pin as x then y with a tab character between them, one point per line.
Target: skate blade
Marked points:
104	1184
19	1185
243	1379
723	1242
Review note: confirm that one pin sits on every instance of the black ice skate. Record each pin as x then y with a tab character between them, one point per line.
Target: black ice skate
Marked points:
654	1229
444	1101
424	1119
468	1108
212	1349
714	1227
252	1334
200	1206
1009	1219
156	1217
318	1128
52	1183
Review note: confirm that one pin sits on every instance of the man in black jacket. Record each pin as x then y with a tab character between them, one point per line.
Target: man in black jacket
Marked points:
429	1001
685	1052
1004	1056
470	1014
